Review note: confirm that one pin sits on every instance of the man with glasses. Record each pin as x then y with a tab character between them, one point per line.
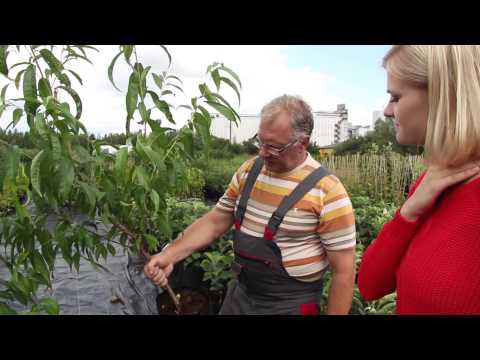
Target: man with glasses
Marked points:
293	220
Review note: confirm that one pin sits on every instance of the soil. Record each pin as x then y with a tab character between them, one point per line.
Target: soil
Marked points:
192	302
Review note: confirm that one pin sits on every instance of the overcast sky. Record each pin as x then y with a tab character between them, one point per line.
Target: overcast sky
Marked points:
323	75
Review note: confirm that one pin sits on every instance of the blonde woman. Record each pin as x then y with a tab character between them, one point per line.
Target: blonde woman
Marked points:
429	253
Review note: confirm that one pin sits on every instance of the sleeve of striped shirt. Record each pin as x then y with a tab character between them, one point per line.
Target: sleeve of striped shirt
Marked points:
337	222
227	201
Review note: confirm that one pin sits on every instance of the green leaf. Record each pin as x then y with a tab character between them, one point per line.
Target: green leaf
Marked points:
64	80
174	77
56	147
42	128
232	73
66	175
162	106
110	69
152	242
89	192
175	86
2	94
142	177
40	266
30	90
76	261
111	249
132	95
76	98
167	92
216	78
6	310
158	80
232	85
3	60
18	78
80	154
222	109
143	111
53	63
17	114
35	172
50	306
127	50
76	76
120	167
185	106
169	56
44	88
155	199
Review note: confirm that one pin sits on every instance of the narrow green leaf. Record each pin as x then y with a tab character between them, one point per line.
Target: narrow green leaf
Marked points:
42	128
155	199
167	92
80	154
222	109
127	50
132	95
174	77
53	63
44	88
17	114
232	85
216	78
152	242
111	249
120	166
3	60
232	73
175	86
2	94
142	177
30	90
158	80
89	192
185	106
169	56
110	69
64	80
18	78
76	76
40	266
66	175
143	111
75	97
35	172
56	147
50	306
162	106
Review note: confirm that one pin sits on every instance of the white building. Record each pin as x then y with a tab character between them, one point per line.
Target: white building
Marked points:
329	127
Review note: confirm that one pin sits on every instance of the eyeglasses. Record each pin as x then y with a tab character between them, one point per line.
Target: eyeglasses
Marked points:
272	150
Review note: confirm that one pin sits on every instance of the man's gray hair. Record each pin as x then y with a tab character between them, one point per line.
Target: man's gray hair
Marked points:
296	107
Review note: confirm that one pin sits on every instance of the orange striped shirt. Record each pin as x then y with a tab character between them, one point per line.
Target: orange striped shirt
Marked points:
321	221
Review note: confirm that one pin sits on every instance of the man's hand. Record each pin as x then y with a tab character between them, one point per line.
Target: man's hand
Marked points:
158	269
436	180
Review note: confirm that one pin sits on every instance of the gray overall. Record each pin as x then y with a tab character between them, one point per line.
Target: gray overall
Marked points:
263	286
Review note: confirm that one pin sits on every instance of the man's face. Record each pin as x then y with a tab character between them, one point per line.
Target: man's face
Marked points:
278	133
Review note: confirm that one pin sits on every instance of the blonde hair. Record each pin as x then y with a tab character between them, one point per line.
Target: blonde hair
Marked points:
296	107
451	75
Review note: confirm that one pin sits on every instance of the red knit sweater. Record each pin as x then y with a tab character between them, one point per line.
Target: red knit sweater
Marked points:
433	263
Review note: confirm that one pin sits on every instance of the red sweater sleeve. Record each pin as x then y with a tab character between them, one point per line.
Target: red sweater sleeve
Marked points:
377	274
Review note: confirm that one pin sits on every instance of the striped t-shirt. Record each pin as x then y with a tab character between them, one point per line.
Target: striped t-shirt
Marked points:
321	221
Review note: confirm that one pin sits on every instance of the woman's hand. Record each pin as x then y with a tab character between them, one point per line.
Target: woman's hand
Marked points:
436	180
